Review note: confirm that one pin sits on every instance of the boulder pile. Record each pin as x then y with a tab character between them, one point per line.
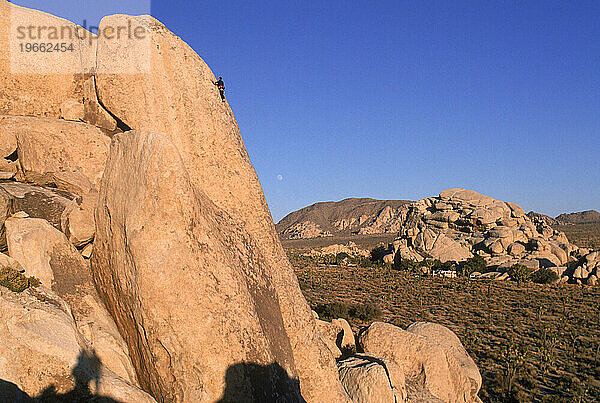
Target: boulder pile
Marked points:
160	276
459	224
424	363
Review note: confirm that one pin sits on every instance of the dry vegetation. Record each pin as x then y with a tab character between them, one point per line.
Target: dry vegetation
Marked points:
531	342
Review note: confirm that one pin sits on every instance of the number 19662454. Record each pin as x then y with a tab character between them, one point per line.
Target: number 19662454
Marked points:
48	47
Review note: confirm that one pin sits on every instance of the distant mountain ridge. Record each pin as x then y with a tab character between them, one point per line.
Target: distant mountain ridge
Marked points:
581	217
588	216
345	217
364	216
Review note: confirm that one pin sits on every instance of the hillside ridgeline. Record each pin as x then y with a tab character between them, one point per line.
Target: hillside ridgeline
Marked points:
361	216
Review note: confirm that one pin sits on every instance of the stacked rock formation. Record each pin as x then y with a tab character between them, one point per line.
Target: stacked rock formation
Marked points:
132	199
586	271
460	223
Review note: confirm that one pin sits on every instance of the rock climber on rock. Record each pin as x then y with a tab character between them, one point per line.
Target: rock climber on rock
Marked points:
221	86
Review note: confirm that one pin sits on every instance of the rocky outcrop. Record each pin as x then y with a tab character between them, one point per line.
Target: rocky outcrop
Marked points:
542	218
43	354
189	294
432	362
585	271
460	223
304	230
35	201
32	88
45	253
349	248
582	217
150	216
182	104
52	146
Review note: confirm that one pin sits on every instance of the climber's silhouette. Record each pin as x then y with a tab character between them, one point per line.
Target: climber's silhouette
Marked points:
221	86
87	369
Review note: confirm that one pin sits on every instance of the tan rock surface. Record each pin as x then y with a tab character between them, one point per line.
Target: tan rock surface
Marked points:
445	338
346	336
4	214
41	347
24	236
47	146
8	169
424	363
72	109
94	113
180	100
72	182
45	252
86	252
36	88
77	221
8	142
196	264
35	201
329	334
7	261
370	379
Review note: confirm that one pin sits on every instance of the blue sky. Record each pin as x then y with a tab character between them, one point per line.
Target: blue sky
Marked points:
401	100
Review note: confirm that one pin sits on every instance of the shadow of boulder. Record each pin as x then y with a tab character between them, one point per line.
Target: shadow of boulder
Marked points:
248	382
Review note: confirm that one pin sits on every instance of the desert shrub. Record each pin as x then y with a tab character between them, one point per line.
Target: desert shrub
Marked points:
365	262
364	312
544	276
407	265
16	281
547	350
520	273
379	252
514	358
438	265
414	266
334	310
473	264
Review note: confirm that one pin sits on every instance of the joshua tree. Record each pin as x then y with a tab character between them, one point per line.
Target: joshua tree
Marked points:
514	358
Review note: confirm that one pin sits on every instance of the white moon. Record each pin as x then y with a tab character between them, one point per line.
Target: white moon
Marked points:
279	177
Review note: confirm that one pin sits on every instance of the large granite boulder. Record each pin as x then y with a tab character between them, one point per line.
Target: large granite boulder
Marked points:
338	336
77	220
370	379
187	287
448	341
37	202
427	364
50	146
177	97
